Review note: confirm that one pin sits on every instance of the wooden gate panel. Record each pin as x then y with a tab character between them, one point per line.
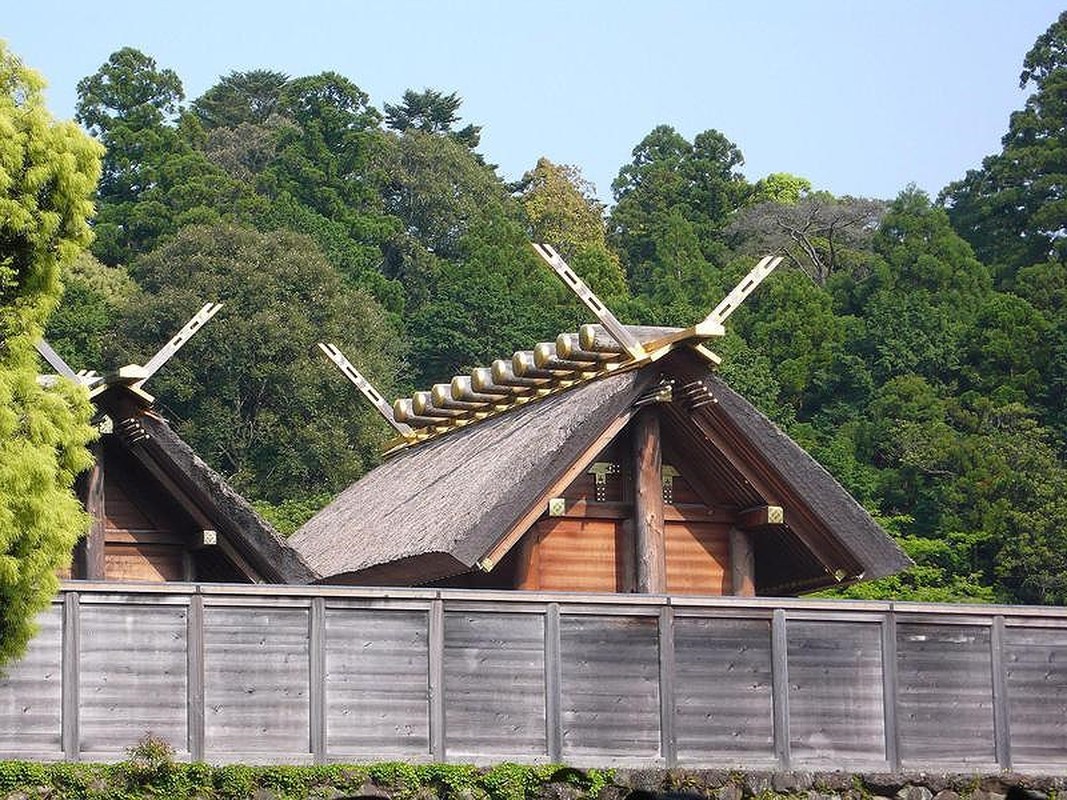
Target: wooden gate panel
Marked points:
376	682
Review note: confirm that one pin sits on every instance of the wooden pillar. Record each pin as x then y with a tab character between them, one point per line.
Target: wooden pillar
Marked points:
649	538
742	564
92	550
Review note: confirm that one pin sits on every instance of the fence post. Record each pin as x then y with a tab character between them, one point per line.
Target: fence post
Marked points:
437	679
780	687
890	689
71	658
553	685
668	742
317	679
1001	718
194	716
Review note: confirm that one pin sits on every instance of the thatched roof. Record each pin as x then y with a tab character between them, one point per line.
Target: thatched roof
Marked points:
148	438
448	501
442	506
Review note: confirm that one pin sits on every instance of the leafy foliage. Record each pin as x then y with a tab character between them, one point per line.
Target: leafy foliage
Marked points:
47	174
252	393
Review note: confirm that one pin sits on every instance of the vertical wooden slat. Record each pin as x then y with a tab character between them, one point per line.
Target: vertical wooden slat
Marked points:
889	690
668	740
71	657
780	687
742	564
1001	712
317	679
195	683
93	568
553	685
437	679
649	537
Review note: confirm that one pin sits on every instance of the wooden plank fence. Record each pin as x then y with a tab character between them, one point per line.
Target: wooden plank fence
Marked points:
272	674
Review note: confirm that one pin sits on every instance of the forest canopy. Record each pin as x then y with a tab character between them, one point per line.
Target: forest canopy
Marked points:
916	346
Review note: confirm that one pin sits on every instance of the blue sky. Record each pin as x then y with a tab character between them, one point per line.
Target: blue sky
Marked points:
861	98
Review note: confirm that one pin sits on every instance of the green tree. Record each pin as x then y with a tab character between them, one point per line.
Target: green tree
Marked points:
1013	210
255	397
96	298
561	210
922	301
431	111
699	180
241	98
154	180
48	171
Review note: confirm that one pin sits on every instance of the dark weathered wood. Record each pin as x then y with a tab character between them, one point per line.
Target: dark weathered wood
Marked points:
494	678
626	557
317	679
553	679
1036	666
71	659
255	681
723	690
760	516
945	699
668	747
31	694
93	545
131	660
742	564
195	668
780	687
377	683
610	672
1001	715
438	742
146	691
836	709
649	537
889	691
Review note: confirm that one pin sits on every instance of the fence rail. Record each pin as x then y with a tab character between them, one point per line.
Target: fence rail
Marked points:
268	674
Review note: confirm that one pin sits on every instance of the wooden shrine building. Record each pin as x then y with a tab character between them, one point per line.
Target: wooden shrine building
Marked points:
159	513
612	460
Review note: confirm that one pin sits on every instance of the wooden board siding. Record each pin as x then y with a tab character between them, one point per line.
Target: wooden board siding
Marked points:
256	681
698	558
722	689
275	674
575	555
145	692
835	693
609	686
31	693
377	699
494	669
1036	666
945	695
143	533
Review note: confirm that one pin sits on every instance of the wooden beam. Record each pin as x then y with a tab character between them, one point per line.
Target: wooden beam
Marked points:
93	566
759	516
649	538
742	564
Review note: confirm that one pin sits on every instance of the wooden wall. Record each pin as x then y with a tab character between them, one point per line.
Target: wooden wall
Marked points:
147	533
328	674
589	547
